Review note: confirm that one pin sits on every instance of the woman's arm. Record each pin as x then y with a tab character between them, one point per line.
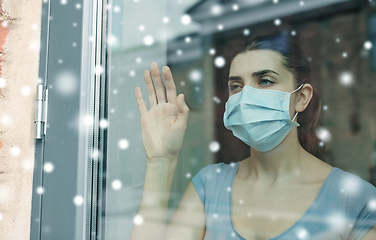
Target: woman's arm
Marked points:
162	128
151	219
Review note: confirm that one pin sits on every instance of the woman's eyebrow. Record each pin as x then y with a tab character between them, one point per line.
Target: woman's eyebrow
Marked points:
232	78
262	72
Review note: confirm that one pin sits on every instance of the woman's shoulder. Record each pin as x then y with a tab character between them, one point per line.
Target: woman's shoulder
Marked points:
356	188
219	171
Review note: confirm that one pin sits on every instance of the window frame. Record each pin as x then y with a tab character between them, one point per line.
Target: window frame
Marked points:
75	148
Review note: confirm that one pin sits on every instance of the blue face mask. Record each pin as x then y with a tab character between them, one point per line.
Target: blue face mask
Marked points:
260	118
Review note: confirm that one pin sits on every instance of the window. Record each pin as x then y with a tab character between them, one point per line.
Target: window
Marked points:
93	55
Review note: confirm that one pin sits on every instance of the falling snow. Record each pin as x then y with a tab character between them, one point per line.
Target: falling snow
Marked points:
217	100
323	134
148	40
368	45
337	221
185	19
25	90
138	220
214	146
195	75
28	165
117	9
116	184
88	120
187	39
78	200
35	45
179	52
15	151
246	32
165	20
302	233
103	123
372	204
216	9
346	78
219	62
48	167
112	40
123	144
40	190
3	83
67	83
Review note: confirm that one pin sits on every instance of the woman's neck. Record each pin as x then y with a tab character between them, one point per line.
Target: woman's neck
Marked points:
282	164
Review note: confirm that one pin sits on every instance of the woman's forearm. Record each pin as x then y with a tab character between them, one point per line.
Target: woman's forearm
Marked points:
151	219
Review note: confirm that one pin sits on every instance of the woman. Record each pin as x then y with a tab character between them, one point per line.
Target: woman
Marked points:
282	191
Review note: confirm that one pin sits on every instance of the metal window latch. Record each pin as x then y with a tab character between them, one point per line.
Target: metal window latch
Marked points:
41	116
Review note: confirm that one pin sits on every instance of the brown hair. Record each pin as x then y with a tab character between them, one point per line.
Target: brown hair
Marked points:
296	62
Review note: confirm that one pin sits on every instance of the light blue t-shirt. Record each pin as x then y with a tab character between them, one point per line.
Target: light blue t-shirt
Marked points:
345	207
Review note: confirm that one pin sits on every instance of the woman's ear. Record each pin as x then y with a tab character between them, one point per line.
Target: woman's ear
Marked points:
303	97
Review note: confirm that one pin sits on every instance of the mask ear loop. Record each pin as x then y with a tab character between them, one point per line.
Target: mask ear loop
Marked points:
297	89
296	114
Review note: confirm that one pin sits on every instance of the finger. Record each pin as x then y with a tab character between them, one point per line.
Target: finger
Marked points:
170	85
150	88
158	82
140	102
183	110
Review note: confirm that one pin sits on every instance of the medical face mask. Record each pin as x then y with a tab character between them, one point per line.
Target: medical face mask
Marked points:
260	118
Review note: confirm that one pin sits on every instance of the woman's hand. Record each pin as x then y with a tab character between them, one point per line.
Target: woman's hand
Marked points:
163	126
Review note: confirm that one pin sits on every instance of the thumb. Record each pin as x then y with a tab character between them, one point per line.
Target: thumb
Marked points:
183	110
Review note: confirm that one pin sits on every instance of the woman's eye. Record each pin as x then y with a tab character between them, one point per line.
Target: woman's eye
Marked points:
234	87
265	81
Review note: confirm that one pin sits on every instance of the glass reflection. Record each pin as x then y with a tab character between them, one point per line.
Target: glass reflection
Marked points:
197	39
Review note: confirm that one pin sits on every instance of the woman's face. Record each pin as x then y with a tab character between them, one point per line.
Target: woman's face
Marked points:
261	69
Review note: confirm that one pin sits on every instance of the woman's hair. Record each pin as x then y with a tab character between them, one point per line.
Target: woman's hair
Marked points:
296	62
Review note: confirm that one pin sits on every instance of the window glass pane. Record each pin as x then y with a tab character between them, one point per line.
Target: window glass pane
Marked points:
197	40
